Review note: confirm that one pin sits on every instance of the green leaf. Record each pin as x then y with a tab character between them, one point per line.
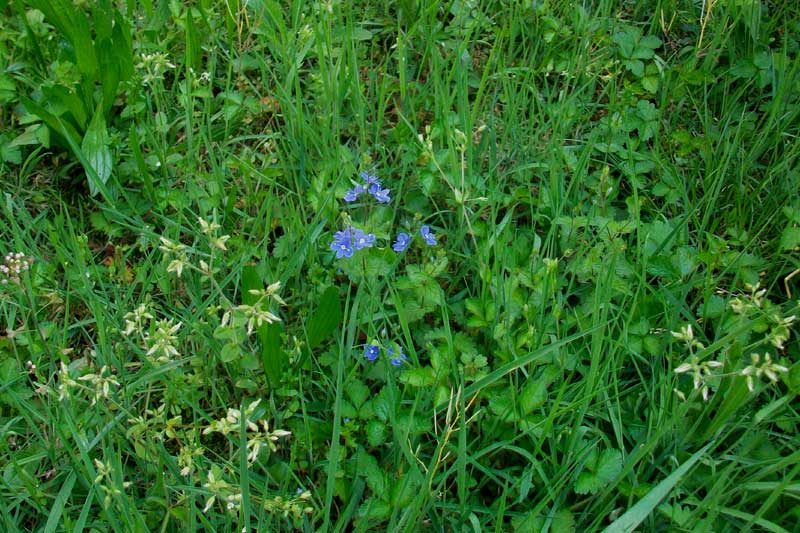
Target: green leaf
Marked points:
369	467
609	465
109	72
418	377
71	21
790	239
10	153
650	84
533	395
502	405
95	149
358	392
376	432
636	67
326	317
599	471
230	352
650	41
563	522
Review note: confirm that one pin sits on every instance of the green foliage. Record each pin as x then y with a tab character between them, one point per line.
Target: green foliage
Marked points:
603	337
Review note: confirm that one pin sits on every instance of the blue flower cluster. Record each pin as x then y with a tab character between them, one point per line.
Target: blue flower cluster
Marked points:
373	186
346	242
373	351
351	239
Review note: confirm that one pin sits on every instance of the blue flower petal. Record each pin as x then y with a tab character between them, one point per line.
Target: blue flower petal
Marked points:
402	242
430	238
372	352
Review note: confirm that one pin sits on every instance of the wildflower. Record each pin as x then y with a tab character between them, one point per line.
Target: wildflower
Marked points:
700	372
219	242
102	383
396	361
430	238
402	242
256	316
208	227
136	321
370	180
381	195
14	265
162	342
768	368
686	335
65	382
372	352
342	244
353	194
362	240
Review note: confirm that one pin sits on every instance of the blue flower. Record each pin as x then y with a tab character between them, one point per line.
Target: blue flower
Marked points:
382	195
396	361
403	239
342	244
362	240
370	180
352	194
430	238
372	352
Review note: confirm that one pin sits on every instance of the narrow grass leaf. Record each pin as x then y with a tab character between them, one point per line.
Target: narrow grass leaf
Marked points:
636	514
58	504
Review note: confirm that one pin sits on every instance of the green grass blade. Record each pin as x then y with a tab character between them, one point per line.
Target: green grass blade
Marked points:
635	515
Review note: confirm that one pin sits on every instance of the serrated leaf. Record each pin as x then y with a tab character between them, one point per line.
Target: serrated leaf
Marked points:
599	470
533	395
369	467
502	405
790	238
587	483
563	522
636	67
650	41
376	433
609	465
650	84
418	377
358	393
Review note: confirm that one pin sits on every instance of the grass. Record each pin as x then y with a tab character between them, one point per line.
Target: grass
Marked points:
602	337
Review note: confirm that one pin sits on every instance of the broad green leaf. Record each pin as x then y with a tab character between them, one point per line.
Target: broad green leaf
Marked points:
790	238
650	41
599	471
418	377
376	432
533	395
358	392
98	154
502	405
636	67
122	43
230	352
